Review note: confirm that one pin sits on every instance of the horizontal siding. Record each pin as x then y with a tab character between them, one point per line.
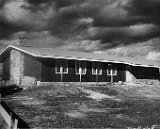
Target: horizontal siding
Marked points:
145	72
48	73
32	67
6	69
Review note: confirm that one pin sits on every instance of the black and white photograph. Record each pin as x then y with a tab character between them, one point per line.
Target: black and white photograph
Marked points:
76	64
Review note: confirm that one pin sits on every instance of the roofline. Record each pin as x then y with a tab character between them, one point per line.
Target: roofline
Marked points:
73	58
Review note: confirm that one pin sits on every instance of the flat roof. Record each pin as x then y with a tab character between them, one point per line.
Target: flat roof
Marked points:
60	53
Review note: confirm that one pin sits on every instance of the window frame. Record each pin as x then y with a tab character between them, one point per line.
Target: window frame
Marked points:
113	69
85	69
61	66
97	68
79	63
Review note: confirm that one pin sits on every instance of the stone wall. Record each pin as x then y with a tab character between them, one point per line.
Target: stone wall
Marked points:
16	67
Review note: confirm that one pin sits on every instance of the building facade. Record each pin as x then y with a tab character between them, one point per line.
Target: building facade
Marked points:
48	65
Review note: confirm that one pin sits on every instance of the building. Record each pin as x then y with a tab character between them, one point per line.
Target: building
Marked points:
55	65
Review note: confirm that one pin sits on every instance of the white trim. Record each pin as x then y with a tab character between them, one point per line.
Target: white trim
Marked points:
95	72
63	68
77	71
85	67
108	73
73	58
95	69
65	72
84	72
80	69
111	71
100	72
56	71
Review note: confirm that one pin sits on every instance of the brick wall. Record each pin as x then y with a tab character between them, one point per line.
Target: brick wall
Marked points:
16	66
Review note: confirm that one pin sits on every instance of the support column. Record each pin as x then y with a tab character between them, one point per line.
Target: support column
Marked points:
80	76
111	75
61	70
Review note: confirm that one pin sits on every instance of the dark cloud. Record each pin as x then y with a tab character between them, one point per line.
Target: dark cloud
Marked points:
37	2
146	10
2	2
145	7
111	22
8	28
126	34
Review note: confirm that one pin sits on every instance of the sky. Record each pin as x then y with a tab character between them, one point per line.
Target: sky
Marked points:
118	27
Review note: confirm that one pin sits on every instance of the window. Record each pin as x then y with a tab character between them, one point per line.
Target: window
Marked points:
114	70
77	67
99	68
80	67
111	69
61	66
58	66
96	68
83	67
65	66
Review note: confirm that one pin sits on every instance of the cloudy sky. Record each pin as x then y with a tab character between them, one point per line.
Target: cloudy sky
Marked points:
121	27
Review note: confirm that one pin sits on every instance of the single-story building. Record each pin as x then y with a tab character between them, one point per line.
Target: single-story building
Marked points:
56	65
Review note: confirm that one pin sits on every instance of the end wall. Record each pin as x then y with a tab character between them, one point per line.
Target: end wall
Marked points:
16	66
139	74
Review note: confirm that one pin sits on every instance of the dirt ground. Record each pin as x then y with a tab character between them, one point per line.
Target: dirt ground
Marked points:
3	125
88	106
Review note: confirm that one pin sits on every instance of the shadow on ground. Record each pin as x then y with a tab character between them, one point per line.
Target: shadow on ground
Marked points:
8	90
21	124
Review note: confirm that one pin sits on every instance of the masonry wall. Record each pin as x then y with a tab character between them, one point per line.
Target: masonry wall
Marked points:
16	66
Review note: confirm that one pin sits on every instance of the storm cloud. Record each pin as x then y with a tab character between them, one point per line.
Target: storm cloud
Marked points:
99	24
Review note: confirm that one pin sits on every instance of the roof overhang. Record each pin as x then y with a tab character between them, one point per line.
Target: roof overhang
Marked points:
7	50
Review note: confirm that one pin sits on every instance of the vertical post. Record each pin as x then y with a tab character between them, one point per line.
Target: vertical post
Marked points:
61	69
80	73
10	121
15	124
111	74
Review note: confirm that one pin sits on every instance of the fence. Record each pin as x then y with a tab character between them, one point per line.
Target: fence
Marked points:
12	124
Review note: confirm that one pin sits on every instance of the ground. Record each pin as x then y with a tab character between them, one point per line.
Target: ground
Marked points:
87	106
3	125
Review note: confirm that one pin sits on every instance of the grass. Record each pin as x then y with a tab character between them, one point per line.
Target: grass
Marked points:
67	106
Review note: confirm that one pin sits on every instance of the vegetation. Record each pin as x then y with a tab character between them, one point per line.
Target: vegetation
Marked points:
70	106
